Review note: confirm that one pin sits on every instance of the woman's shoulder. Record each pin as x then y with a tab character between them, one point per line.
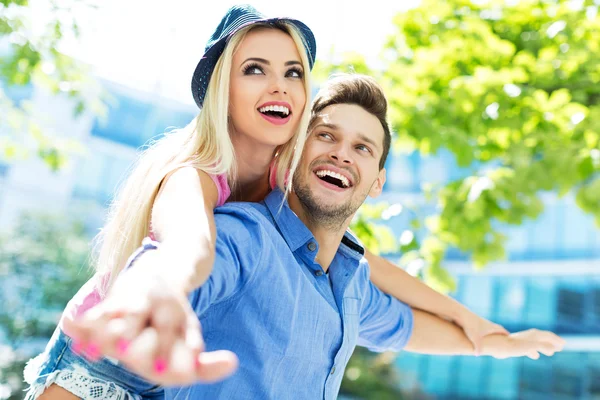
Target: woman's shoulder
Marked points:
187	174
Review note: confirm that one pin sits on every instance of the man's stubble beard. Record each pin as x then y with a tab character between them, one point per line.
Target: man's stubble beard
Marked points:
329	217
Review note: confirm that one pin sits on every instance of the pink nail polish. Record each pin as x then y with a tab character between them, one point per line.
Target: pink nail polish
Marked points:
160	366
122	346
93	351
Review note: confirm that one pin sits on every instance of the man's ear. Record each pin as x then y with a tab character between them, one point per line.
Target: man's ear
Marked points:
378	184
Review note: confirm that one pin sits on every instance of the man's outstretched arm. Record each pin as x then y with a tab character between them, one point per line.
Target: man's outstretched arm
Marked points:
434	335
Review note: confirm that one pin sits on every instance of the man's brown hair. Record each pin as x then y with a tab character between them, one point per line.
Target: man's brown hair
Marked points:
360	90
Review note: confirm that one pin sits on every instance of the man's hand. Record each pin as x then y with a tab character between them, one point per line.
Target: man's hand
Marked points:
529	343
147	323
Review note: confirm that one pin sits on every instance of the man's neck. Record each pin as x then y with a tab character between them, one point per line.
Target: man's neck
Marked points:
329	238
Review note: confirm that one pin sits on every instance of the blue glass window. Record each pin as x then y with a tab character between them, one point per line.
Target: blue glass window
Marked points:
401	174
503	379
595	304
90	174
570	306
132	122
594	375
510	300
411	366
476	292
440	377
541	302
469	380
517	241
115	174
568	372
579	232
535	378
98	176
125	121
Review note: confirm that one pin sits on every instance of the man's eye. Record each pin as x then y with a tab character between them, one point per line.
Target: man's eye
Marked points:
364	148
325	136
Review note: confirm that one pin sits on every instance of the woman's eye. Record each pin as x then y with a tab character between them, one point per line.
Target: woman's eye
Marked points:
294	73
253	70
325	136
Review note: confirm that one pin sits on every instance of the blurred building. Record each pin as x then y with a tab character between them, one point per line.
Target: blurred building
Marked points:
551	281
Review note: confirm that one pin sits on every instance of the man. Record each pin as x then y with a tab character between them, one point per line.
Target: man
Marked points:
290	291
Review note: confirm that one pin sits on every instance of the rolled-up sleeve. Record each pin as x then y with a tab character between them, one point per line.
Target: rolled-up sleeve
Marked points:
237	254
385	323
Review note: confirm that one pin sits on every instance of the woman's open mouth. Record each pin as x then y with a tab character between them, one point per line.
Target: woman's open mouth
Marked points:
277	114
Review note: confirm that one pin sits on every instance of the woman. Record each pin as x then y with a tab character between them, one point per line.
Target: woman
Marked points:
252	85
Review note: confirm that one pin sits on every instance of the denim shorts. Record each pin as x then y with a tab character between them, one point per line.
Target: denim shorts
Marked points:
104	379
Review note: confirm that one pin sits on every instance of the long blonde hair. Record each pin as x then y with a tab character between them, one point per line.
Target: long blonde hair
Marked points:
204	144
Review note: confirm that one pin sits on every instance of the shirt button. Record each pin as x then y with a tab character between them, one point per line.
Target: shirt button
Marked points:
312	246
319	273
332	371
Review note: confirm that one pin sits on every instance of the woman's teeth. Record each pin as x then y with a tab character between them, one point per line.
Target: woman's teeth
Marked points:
280	109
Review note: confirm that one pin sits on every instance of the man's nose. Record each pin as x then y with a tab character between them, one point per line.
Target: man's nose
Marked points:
341	154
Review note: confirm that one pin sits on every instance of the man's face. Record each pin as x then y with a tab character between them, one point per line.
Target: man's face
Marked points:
340	163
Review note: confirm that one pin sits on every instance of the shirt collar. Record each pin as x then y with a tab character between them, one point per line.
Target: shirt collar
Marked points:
296	234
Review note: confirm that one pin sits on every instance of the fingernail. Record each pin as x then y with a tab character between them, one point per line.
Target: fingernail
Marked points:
77	347
122	346
160	365
93	351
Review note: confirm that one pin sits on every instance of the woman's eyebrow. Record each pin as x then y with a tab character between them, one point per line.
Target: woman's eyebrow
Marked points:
267	62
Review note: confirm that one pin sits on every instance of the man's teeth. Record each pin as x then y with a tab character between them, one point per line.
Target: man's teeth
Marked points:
335	175
282	109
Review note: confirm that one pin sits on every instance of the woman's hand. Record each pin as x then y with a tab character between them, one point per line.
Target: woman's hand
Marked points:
477	328
529	343
147	323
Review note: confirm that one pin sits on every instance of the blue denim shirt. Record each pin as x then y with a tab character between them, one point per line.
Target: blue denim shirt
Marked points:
292	327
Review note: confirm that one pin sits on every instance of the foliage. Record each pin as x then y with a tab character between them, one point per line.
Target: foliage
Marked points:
369	376
30	56
512	89
43	262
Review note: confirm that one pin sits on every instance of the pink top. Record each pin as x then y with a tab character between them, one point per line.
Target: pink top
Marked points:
273	175
222	188
88	296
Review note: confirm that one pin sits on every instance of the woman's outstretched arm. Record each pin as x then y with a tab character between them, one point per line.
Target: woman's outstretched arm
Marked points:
146	314
396	282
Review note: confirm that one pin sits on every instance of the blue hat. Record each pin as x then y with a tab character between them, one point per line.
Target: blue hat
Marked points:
236	18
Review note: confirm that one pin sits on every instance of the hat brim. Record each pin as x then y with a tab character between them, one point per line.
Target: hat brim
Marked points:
206	65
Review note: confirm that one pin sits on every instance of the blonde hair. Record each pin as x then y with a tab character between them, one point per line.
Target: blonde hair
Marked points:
203	144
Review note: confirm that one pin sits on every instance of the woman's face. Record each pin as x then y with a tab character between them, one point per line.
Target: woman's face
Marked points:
266	94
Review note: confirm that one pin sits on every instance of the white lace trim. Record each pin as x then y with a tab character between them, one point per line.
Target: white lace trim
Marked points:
81	384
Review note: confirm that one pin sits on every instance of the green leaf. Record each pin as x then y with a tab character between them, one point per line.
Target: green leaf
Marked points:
439	279
33	59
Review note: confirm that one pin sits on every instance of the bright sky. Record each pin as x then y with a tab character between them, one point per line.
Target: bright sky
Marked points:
155	45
